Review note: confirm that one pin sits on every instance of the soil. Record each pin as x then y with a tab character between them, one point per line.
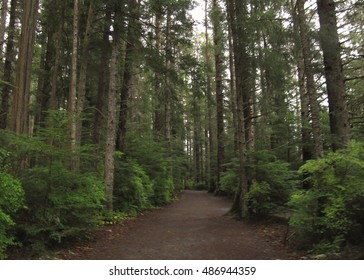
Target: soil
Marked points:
195	227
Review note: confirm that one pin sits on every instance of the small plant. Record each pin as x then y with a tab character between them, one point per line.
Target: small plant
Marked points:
259	199
11	199
331	210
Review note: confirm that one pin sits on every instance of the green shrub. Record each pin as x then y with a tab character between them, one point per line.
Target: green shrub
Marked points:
133	189
11	199
259	199
265	168
229	182
62	204
155	161
332	209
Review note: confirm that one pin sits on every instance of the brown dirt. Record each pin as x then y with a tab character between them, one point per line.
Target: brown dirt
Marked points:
193	227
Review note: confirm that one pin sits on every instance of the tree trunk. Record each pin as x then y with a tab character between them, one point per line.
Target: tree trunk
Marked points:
19	121
81	91
9	59
218	51
329	39
112	115
158	111
72	95
102	81
4	13
306	145
310	82
210	114
236	12
130	56
232	84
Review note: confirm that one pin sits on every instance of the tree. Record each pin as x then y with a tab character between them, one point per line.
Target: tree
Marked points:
112	108
310	82
9	60
237	15
19	122
216	17
329	39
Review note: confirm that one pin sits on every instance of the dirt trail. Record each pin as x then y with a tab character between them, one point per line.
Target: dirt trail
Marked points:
194	227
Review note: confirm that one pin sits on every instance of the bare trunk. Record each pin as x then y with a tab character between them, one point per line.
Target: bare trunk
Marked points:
53	100
102	81
158	113
72	96
329	39
9	59
4	13
112	118
81	91
304	101
19	121
237	11
218	50
310	82
128	79
233	90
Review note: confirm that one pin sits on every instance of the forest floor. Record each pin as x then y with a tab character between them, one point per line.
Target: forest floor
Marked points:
193	227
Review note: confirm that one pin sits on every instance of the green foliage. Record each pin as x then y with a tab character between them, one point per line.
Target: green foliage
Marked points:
114	217
265	168
11	199
133	188
259	199
229	181
61	204
154	160
331	209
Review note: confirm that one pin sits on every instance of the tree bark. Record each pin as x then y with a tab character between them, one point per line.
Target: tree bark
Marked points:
237	11
81	91
218	51
329	39
9	59
19	121
72	95
102	81
112	115
4	13
310	82
306	145
130	56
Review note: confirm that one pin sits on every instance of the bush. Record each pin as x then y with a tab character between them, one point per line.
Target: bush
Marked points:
133	189
331	210
259	200
11	199
62	204
229	182
265	168
155	162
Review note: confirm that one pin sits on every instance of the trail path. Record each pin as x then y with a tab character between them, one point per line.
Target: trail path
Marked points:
193	227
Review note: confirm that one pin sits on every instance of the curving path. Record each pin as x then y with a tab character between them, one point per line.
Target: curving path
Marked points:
193	227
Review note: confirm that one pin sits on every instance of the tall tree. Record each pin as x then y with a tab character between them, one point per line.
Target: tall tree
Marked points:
9	60
237	11
4	13
329	39
19	120
217	19
112	108
72	94
310	81
132	47
81	90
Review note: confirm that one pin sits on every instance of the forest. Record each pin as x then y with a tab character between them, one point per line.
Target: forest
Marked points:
112	108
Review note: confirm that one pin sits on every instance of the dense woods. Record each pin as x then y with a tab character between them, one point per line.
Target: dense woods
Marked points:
110	108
